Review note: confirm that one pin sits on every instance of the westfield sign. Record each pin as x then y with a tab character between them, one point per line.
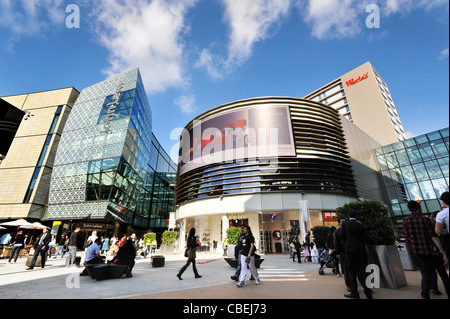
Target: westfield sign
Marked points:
359	79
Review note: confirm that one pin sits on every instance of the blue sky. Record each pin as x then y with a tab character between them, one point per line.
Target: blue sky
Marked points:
198	54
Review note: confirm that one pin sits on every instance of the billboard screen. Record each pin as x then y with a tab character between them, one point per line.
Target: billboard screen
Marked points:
263	131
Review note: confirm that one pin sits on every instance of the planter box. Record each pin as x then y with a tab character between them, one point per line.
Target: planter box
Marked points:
388	260
6	252
230	251
167	249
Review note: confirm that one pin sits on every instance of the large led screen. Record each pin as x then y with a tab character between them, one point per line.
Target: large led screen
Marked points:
256	132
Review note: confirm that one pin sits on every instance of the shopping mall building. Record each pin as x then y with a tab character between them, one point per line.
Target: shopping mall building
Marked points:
283	165
89	160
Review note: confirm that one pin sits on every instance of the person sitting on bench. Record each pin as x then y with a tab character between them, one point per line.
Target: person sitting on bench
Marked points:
93	255
126	255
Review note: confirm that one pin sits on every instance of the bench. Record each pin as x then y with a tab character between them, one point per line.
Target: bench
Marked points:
106	271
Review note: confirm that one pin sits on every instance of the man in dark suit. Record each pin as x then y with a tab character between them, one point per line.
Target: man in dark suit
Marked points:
355	239
41	248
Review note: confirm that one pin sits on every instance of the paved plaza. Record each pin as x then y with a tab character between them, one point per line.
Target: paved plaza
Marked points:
280	279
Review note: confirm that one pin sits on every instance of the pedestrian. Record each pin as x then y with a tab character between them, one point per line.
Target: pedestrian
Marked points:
316	255
91	239
248	254
297	250
441	226
339	251
237	255
126	256
306	254
308	243
18	244
40	248
92	256
105	245
426	246
355	238
214	245
320	245
73	244
191	246
50	246
225	248
5	241
62	244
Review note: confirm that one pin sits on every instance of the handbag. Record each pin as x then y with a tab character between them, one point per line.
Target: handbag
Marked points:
186	253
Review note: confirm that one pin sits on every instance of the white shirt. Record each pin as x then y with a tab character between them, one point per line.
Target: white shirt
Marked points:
442	218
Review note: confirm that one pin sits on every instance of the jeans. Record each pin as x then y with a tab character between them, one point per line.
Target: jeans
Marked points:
238	269
15	250
59	249
252	267
319	252
427	263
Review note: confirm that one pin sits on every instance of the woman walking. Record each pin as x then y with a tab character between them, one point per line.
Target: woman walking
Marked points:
248	257
191	245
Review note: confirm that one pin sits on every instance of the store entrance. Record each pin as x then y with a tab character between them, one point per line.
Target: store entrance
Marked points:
275	235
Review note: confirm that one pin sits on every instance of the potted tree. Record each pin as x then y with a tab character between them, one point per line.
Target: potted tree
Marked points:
168	242
233	234
381	248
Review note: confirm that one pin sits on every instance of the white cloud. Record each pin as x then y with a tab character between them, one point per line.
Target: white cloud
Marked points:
186	103
30	18
206	61
249	22
444	54
333	18
148	35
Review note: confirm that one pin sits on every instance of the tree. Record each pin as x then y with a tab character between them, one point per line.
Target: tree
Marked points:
169	237
233	234
375	217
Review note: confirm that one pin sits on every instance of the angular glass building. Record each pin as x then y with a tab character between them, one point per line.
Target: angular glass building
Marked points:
110	172
415	169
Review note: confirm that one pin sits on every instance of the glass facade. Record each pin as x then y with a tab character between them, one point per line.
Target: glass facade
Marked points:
416	169
109	164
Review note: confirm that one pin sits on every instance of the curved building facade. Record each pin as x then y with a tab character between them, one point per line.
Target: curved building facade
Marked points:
262	162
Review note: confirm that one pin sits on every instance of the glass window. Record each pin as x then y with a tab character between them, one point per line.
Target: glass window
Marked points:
110	163
440	186
420	171
94	167
408	174
391	160
434	136
397	210
410	142
402	157
444	132
439	148
413	191
427	190
421	139
426	152
432	205
433	169
414	154
444	164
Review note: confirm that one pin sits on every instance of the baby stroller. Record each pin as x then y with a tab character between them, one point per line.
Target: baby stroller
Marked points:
328	261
